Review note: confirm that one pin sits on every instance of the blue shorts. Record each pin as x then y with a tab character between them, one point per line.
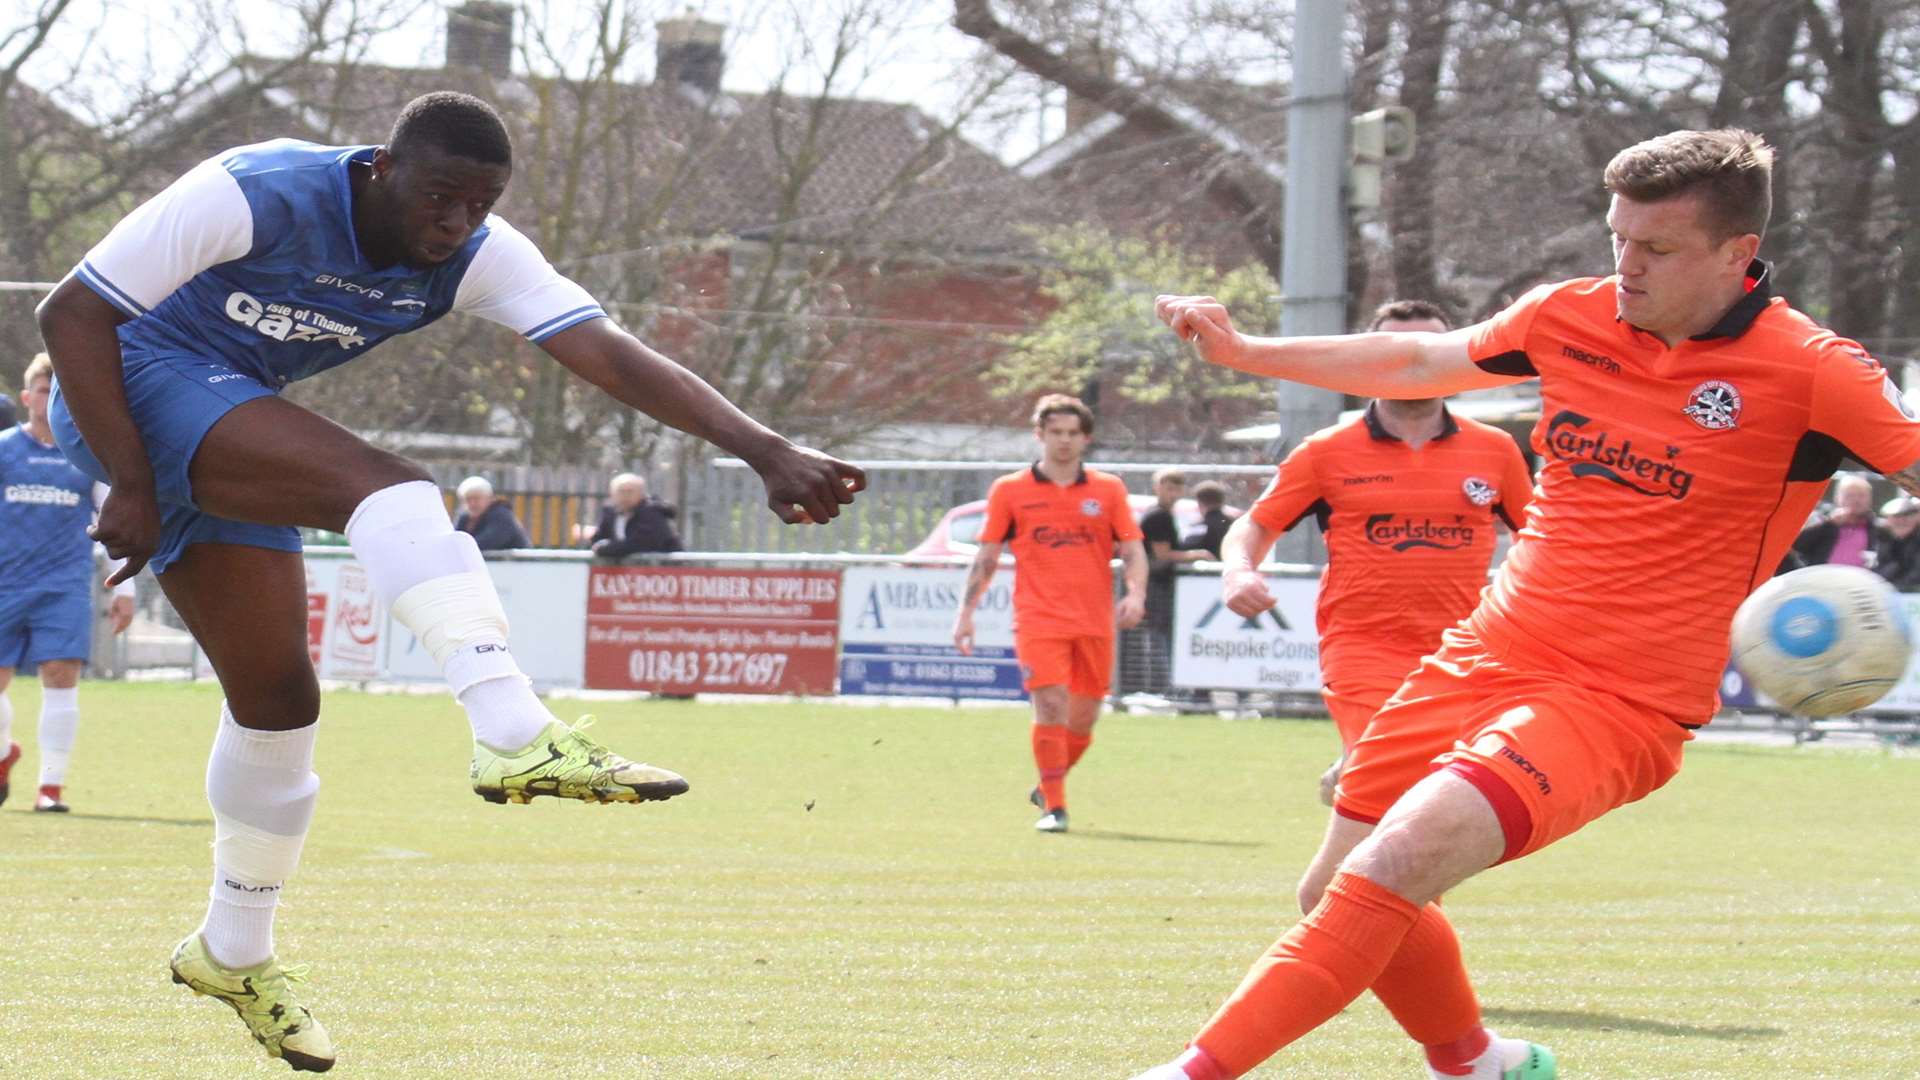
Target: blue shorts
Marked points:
39	625
175	399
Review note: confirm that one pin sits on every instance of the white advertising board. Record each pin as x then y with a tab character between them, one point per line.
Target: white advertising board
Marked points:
1213	648
896	634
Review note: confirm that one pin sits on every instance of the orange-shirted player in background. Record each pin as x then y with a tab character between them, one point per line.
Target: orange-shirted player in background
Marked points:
1063	522
1408	496
1689	420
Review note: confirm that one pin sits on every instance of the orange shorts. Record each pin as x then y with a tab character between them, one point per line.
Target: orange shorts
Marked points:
1353	695
1084	665
1550	756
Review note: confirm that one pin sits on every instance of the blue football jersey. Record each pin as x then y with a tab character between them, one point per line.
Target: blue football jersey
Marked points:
45	507
251	258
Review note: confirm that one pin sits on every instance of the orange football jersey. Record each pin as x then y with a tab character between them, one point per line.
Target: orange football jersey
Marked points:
1409	531
1672	480
1062	537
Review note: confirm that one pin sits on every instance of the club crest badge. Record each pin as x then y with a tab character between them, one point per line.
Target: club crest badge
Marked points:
1479	492
1090	507
1714	405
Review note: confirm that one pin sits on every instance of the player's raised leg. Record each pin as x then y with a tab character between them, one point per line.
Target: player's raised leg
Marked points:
246	606
430	577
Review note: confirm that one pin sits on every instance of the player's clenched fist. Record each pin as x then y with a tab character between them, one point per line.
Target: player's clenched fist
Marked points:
1203	321
1245	592
806	486
129	528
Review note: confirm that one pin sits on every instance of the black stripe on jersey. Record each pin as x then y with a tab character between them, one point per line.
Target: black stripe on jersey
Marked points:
1819	456
1501	509
1516	362
1321	510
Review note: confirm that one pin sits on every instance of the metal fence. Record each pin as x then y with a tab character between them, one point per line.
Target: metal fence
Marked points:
725	506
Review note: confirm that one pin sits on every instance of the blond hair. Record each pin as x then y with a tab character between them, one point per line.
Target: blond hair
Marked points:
41	366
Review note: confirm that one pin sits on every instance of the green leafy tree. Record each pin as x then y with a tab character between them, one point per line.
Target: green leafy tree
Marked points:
1101	338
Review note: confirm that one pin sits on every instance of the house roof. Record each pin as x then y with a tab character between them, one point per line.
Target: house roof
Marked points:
668	160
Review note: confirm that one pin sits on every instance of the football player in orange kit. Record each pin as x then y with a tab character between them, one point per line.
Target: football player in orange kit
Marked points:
1407	495
1690	420
1063	522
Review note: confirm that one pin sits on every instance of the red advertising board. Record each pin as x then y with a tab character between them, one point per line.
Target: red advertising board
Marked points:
703	630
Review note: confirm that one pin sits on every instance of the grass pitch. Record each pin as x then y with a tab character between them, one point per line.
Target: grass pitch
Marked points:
858	893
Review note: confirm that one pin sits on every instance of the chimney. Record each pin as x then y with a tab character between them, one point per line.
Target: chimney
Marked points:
688	53
1088	56
480	35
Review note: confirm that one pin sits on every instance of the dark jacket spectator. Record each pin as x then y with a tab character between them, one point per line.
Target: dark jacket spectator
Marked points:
1897	558
1215	519
632	523
490	520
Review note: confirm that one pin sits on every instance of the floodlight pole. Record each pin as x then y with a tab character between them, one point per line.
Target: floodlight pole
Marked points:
1313	257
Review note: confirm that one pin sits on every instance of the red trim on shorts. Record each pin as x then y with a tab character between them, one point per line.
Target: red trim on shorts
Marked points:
1354	815
1516	821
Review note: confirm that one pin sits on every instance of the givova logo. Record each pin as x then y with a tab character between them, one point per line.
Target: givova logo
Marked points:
1405	534
1597	454
284	322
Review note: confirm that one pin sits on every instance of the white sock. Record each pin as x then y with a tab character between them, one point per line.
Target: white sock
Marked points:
6	723
436	584
262	789
59	722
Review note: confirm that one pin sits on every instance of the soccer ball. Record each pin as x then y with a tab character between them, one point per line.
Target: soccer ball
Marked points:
1823	640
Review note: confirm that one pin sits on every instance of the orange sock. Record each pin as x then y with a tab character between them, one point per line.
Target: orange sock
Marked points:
1425	987
1050	755
1316	969
1077	743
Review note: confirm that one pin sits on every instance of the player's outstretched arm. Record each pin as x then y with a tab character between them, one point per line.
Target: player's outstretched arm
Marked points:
802	485
1389	365
78	326
1242	587
986	560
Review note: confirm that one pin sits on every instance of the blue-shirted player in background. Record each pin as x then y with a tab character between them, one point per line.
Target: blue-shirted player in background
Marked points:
172	338
46	575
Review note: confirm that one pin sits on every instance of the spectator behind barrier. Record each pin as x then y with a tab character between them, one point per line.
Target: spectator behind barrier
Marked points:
1899	552
490	520
632	523
1848	534
1215	519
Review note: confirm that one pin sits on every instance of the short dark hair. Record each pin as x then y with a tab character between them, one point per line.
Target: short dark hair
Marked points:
1210	494
458	124
1730	168
1409	311
1056	404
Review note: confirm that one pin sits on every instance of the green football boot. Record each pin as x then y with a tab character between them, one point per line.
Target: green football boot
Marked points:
263	997
1539	1065
565	764
1508	1059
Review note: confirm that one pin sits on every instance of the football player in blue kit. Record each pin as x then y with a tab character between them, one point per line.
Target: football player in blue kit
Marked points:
46	576
172	339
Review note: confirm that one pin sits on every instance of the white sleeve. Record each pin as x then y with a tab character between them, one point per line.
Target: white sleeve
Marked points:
200	220
511	283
